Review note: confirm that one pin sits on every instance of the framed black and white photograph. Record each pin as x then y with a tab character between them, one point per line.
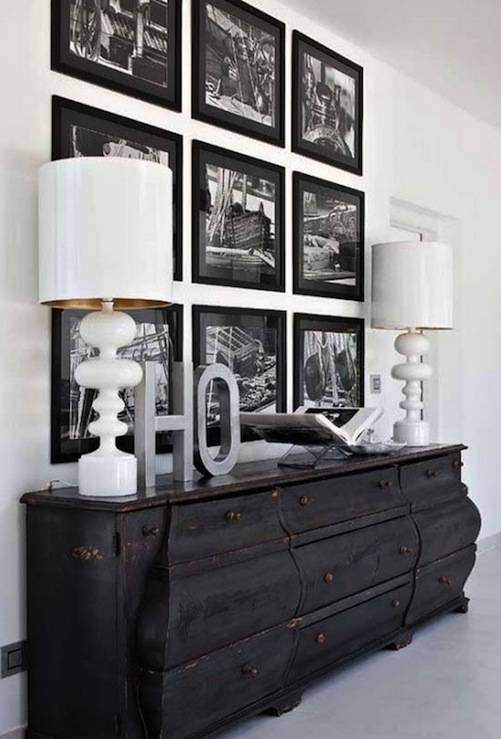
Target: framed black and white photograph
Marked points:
131	46
328	239
238	220
252	344
159	338
81	131
239	69
328	361
327	105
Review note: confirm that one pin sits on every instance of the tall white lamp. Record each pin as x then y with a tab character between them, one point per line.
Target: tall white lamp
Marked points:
412	290
105	242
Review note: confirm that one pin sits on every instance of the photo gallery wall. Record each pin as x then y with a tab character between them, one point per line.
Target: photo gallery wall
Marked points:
238	83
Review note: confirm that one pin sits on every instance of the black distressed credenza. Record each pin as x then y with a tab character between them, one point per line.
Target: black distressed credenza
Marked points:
174	613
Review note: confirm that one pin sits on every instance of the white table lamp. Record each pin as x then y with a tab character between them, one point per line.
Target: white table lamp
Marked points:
412	290
105	242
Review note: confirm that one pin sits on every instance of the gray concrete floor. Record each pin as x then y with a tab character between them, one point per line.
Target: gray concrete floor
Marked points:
445	685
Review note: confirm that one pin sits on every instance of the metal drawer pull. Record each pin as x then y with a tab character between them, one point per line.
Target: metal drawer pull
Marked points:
431	473
444	580
328	577
305	500
249	671
321	639
275	492
385	483
457	464
150	530
406	550
395	603
233	516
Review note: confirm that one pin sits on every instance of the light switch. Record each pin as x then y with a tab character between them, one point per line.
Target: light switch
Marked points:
375	384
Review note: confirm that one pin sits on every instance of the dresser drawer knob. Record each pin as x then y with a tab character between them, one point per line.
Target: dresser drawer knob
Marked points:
395	603
304	500
275	492
404	551
249	671
457	464
233	516
444	580
328	577
385	484
150	530
431	473
321	639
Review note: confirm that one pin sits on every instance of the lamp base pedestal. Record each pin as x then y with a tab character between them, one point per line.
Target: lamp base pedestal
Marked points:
108	471
107	476
412	429
415	433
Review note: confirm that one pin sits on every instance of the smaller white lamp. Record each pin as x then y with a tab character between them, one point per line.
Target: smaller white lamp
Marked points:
412	290
105	242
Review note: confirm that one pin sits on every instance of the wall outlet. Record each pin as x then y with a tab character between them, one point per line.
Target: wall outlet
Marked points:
375	384
14	658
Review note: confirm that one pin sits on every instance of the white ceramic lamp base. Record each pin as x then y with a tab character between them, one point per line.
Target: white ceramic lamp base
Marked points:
108	471
412	429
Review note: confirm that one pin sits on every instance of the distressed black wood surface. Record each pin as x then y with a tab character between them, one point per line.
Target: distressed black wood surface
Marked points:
196	695
140	533
74	683
337	567
164	595
186	615
213	527
440	583
262	475
426	484
447	528
313	505
327	641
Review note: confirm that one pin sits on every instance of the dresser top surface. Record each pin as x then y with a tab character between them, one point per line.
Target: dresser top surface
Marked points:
248	477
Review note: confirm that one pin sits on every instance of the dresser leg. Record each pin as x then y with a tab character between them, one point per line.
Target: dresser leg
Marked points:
463	607
285	704
401	641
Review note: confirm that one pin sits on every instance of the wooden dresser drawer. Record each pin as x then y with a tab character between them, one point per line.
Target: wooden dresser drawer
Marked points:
203	529
426	484
440	583
186	701
324	643
447	528
323	502
190	610
342	565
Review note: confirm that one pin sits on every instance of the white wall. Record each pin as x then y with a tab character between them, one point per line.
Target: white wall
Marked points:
418	148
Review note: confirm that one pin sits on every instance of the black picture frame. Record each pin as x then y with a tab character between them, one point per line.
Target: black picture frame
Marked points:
325	119
253	269
312	373
65	449
68	114
204	316
344	223
201	78
113	59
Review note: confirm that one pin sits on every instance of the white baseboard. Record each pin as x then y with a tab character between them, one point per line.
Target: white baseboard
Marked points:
485	545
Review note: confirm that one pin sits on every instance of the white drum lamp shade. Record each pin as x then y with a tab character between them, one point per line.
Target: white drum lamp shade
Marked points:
105	242
105	231
412	290
412	285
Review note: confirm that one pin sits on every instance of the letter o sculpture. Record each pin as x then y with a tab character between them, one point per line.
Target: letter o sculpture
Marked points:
229	405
